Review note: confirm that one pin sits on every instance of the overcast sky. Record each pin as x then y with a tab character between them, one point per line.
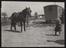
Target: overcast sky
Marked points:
14	6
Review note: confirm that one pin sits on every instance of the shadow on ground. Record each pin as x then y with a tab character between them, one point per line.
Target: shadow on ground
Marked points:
51	35
57	41
12	31
41	24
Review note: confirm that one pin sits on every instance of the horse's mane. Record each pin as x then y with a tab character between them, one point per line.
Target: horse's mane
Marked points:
23	11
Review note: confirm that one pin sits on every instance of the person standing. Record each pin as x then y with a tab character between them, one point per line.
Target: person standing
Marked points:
58	27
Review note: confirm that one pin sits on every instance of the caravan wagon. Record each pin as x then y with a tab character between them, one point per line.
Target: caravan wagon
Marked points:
52	13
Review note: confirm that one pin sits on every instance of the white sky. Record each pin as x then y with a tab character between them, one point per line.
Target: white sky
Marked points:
14	6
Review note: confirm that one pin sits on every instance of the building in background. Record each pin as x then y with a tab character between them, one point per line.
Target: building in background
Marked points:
4	19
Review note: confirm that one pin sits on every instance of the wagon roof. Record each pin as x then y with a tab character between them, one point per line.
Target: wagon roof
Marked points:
52	6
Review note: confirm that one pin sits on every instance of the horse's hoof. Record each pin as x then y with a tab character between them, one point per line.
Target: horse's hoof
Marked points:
55	34
21	31
11	30
15	31
24	30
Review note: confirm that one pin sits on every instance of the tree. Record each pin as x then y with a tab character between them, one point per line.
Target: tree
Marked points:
4	14
5	19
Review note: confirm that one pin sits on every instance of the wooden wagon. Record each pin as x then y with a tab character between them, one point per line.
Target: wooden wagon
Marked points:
52	13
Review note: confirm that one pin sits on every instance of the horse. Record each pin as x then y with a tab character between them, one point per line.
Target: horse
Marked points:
20	17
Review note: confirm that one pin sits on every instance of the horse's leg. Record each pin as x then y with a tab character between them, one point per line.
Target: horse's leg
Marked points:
27	22
11	27
15	27
24	26
21	26
55	32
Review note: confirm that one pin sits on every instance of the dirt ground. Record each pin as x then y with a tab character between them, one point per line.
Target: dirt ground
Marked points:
36	35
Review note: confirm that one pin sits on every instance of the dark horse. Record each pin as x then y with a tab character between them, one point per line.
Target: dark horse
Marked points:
20	18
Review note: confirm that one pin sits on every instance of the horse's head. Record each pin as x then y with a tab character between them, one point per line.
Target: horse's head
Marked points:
28	10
